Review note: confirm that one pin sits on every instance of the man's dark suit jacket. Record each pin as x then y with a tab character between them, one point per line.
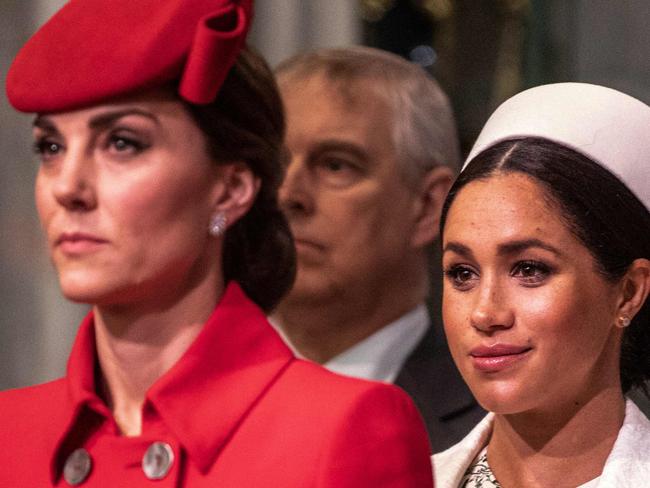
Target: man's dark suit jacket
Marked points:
430	377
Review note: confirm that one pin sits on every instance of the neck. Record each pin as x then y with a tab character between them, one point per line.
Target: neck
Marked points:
137	344
565	447
321	330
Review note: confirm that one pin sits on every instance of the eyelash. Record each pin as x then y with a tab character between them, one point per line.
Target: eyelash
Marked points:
541	271
453	275
47	148
131	145
44	148
339	163
335	172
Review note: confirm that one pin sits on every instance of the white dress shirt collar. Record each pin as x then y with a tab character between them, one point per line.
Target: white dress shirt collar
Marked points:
381	355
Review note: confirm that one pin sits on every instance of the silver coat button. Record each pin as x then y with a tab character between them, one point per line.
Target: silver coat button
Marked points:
77	467
157	461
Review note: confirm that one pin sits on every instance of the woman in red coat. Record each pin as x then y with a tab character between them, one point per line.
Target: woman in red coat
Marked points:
159	136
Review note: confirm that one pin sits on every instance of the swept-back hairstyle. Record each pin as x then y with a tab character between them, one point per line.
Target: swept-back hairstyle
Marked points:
246	123
596	206
424	129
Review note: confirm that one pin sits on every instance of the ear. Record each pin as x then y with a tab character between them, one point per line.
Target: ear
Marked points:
235	190
635	288
433	190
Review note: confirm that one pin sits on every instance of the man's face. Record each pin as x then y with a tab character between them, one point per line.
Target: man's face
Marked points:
350	210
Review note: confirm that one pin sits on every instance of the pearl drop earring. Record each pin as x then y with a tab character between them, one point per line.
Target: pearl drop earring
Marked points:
623	321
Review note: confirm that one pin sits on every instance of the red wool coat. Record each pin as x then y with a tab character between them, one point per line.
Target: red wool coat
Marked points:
237	411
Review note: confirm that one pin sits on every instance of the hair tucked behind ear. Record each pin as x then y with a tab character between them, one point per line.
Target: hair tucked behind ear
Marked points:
596	206
246	123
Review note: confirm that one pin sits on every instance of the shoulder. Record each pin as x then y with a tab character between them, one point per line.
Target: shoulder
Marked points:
371	433
32	397
628	464
634	433
26	408
31	422
450	465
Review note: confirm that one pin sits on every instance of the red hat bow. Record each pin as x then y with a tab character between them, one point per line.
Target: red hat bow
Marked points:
94	50
218	36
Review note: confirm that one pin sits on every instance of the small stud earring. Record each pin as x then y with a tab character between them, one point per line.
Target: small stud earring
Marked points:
623	321
217	224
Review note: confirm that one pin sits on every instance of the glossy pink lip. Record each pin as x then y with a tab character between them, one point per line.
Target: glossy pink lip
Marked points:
497	357
78	242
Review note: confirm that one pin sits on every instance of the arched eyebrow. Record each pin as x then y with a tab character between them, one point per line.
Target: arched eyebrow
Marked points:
516	247
505	249
458	248
99	121
44	123
107	119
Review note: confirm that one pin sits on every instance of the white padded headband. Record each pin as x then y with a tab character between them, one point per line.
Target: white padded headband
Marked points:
608	126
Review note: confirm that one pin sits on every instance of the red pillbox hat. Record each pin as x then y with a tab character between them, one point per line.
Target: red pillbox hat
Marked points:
94	50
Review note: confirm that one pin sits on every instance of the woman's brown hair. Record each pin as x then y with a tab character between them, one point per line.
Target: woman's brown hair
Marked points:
246	123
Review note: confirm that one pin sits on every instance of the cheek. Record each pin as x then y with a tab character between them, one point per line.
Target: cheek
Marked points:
347	222
371	220
569	324
559	310
353	208
43	201
154	210
455	316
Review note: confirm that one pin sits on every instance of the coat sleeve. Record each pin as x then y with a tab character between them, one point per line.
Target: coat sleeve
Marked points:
381	443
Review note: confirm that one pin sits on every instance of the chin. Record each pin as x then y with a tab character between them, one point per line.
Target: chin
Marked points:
80	294
84	288
500	406
501	397
311	287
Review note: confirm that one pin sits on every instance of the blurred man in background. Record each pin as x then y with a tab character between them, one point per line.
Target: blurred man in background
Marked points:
373	151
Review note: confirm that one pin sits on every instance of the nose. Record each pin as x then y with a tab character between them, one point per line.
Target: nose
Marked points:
491	310
73	182
296	193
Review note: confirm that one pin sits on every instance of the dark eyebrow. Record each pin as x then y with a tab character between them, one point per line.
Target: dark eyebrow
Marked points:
506	249
99	121
516	247
458	248
42	122
106	119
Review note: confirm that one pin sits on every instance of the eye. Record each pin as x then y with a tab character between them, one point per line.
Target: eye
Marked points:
461	277
47	148
336	171
124	145
531	272
336	165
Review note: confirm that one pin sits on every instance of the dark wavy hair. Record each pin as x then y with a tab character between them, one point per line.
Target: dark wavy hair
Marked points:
597	207
246	123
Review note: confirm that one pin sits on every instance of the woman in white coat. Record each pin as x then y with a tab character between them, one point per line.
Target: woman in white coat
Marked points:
546	252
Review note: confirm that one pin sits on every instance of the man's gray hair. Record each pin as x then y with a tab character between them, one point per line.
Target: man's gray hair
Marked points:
424	129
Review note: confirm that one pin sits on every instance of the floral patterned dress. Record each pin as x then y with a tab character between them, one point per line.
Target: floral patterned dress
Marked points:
479	474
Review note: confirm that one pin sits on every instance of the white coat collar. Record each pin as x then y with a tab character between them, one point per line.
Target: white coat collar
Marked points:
627	466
